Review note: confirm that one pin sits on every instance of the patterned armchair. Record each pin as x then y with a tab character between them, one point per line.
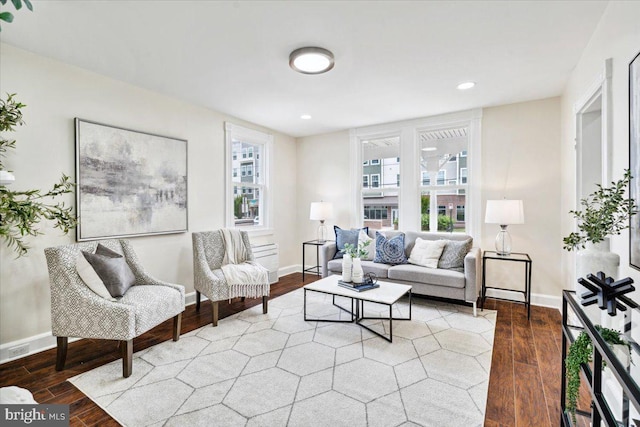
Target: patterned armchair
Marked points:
76	311
208	258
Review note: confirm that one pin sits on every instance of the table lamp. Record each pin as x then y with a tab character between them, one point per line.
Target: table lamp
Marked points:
504	213
321	211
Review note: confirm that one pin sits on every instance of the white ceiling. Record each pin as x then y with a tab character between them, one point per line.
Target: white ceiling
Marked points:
394	60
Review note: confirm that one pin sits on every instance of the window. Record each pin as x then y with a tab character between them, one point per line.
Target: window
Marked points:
248	191
463	175
425	178
381	179
442	164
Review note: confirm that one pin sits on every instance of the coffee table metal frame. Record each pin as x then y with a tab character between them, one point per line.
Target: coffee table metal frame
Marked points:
356	312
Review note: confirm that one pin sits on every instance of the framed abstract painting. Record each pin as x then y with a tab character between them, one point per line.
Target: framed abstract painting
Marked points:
129	183
634	158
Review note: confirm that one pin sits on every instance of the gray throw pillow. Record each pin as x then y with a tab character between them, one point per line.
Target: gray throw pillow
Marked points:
452	257
346	236
113	270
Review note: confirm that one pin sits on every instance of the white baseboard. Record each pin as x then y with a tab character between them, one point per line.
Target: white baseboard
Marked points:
283	271
27	346
536	299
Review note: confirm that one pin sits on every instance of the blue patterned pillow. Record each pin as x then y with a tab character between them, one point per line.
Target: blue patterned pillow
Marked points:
390	251
346	236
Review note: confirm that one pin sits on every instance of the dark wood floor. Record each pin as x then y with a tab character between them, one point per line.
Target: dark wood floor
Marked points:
524	387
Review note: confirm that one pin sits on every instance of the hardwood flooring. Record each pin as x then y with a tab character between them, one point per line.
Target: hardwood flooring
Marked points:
524	386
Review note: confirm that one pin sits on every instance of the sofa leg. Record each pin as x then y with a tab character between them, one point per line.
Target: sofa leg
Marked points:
197	301
61	355
265	302
177	324
214	312
475	309
127	358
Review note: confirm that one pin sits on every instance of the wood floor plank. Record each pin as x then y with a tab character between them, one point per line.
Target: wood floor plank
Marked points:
37	373
529	389
501	394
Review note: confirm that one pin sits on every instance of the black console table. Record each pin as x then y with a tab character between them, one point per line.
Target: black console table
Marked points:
614	390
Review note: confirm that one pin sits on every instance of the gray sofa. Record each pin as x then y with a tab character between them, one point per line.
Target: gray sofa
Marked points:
444	283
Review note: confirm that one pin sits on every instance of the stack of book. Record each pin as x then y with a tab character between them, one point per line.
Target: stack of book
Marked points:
358	287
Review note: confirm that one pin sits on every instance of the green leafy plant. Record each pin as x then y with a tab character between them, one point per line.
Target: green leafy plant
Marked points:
581	352
444	223
360	252
8	16
605	212
21	211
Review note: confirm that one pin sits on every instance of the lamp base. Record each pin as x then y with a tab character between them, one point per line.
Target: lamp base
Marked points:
322	232
503	242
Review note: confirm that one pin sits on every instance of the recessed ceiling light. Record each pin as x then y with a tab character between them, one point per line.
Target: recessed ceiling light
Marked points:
305	117
311	60
466	85
429	149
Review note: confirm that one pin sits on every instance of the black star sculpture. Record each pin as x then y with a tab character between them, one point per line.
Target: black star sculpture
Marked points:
603	290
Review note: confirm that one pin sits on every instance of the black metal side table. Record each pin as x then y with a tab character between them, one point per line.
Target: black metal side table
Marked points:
316	268
515	257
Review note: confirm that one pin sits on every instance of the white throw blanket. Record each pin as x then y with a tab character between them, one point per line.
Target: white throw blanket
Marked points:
245	278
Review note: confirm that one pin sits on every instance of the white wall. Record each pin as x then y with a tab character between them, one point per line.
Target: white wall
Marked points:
55	93
323	174
520	153
521	160
617	36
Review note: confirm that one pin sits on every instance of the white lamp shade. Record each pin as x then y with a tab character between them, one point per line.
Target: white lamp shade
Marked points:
321	211
504	212
6	178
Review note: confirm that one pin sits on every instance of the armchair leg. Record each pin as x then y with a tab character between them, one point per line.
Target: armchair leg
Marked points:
177	324
61	355
265	307
127	358
242	299
197	301
214	309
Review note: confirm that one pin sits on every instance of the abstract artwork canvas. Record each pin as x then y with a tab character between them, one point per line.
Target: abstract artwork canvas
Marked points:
634	158
129	183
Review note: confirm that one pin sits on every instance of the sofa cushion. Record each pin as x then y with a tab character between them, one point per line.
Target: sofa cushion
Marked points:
426	253
431	276
380	270
453	254
390	251
346	236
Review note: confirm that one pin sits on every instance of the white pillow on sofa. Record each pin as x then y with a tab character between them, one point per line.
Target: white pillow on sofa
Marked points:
90	278
427	252
371	249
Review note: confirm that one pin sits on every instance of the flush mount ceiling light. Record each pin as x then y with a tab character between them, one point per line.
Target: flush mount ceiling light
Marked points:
305	117
311	60
466	85
429	149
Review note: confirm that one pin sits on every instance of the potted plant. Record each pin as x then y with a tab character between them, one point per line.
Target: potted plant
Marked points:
581	352
355	257
605	212
21	211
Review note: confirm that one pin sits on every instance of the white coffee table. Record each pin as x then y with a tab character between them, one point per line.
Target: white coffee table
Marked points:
387	294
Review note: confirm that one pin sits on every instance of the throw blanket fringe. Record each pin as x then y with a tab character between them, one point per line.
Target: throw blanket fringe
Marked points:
244	278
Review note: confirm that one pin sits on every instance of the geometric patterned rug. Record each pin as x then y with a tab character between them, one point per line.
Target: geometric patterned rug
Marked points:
276	369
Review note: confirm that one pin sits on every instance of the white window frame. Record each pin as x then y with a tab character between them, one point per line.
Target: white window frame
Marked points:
374	162
410	177
463	176
378	176
237	132
365	178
